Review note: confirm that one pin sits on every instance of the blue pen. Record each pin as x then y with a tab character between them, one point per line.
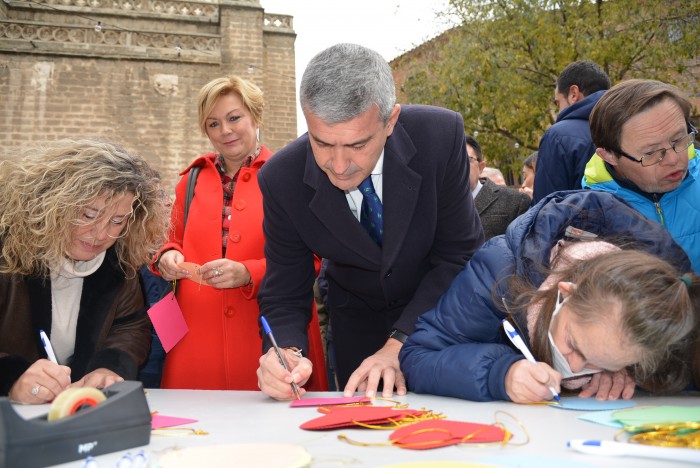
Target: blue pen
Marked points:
611	448
517	340
47	346
268	332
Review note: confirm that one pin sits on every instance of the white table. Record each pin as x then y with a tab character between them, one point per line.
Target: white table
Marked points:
251	417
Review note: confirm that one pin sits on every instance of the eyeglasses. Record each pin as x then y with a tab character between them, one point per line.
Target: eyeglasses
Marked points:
473	159
655	157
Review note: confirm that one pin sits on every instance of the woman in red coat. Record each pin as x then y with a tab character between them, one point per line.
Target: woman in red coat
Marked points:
224	235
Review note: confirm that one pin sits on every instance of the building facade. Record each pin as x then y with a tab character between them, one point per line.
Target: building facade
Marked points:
130	71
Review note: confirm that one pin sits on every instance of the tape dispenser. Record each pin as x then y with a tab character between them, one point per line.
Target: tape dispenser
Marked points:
121	421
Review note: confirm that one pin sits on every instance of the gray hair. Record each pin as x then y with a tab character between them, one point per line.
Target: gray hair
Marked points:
343	81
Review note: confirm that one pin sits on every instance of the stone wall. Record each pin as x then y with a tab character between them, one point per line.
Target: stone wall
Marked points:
135	77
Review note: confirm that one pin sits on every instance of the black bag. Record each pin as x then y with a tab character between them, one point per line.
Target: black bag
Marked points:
189	195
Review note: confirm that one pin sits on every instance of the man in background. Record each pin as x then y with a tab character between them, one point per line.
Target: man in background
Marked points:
497	205
567	146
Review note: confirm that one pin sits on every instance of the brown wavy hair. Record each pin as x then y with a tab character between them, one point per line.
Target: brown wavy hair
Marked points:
45	191
658	313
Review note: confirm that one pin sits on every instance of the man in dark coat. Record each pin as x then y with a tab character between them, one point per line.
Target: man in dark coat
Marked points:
497	205
567	146
380	278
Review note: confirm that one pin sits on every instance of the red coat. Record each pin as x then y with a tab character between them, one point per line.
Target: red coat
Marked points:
222	348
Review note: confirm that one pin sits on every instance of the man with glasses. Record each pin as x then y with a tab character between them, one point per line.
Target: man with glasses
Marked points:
497	205
645	155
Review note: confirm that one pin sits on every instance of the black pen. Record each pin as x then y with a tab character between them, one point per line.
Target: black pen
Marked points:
268	331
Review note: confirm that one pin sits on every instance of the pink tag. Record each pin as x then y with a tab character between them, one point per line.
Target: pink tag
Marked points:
160	420
328	401
168	321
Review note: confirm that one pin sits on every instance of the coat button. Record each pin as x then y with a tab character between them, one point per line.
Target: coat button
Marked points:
239	205
245	177
388	274
229	312
235	236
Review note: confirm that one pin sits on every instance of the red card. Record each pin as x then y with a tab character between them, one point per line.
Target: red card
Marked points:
347	416
329	401
436	433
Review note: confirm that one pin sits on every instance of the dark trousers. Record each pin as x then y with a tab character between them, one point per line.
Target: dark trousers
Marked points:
357	334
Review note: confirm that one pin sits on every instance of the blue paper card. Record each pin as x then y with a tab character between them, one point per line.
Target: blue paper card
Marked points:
605	418
591	404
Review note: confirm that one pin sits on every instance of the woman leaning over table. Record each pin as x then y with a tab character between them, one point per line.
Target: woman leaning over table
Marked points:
604	307
79	217
224	235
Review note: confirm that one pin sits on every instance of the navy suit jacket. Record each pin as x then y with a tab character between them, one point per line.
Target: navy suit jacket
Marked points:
431	229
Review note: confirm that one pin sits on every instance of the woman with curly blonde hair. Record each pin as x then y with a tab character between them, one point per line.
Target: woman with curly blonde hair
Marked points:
79	218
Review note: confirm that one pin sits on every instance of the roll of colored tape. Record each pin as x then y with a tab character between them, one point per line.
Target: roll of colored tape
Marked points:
72	400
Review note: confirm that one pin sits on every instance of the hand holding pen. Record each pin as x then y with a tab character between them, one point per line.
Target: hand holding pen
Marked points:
47	346
43	380
278	351
517	340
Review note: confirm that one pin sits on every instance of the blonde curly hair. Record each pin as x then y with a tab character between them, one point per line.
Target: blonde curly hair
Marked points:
45	191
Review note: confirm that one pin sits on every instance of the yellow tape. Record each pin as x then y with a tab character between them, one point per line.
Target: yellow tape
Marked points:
72	400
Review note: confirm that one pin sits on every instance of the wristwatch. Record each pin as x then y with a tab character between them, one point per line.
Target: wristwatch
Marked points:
398	335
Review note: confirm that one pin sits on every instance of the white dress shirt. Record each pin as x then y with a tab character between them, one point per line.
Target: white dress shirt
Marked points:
354	196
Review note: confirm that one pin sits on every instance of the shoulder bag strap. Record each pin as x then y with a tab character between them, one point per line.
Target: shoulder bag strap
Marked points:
191	182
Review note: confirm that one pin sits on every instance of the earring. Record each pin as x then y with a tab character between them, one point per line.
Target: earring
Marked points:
257	134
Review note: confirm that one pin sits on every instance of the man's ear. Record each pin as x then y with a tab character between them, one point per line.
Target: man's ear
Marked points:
607	156
575	94
393	117
482	166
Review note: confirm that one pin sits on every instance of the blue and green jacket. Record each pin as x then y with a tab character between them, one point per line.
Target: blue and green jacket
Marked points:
678	211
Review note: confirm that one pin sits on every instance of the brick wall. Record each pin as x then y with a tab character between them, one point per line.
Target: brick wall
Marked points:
136	81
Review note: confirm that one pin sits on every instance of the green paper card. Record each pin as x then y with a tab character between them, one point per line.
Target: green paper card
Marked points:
658	414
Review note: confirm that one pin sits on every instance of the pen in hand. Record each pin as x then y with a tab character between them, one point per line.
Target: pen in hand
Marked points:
268	332
517	340
47	346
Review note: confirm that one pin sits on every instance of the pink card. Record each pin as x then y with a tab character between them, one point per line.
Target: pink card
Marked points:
160	420
168	321
328	401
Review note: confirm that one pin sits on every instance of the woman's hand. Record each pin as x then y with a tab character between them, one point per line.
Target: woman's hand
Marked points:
609	386
168	265
528	382
225	273
41	383
99	378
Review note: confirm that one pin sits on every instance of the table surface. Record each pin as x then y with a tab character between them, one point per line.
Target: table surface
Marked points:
251	417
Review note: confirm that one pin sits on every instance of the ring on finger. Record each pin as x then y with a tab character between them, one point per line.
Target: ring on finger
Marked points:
218	272
35	390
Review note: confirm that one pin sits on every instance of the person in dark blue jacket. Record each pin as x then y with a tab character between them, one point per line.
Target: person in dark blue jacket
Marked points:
567	146
582	267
